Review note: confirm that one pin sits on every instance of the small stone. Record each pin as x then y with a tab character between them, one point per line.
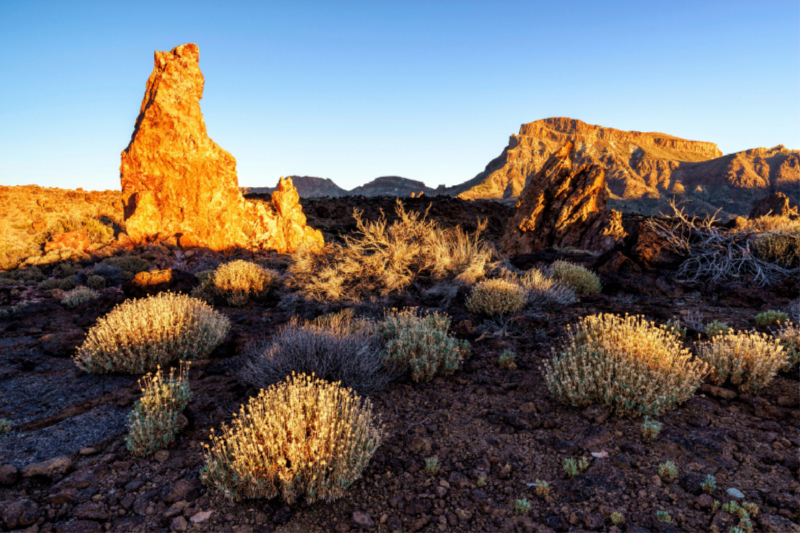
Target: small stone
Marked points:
597	414
362	520
185	489
527	408
88	451
202	516
656	480
8	475
161	456
175	510
736	493
705	501
90	511
19	513
49	468
179	524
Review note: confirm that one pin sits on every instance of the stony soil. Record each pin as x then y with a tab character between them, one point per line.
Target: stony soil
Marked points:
65	467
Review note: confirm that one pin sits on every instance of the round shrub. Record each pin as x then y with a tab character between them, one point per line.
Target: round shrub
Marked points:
789	337
303	437
496	297
579	278
628	363
333	348
96	282
132	264
239	281
771	317
139	335
421	345
545	291
78	296
49	284
67	284
749	360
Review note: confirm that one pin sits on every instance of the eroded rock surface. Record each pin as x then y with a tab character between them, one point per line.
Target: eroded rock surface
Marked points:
179	184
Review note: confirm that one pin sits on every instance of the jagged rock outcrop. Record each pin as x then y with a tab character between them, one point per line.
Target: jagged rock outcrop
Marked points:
635	162
562	206
777	204
307	187
179	184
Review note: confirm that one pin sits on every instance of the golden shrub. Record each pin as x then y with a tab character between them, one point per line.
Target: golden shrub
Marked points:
139	335
78	296
789	337
579	278
496	297
749	360
628	363
381	259
303	437
239	281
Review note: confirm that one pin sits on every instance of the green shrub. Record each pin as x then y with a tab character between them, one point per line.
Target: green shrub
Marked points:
675	327
579	278
716	327
129	263
5	425
542	488
496	297
749	360
650	429
522	507
154	421
67	284
65	269
628	362
771	317
78	296
709	485
49	284
507	360
29	273
96	282
789	337
432	465
668	471
783	250
421	344
664	516
303	437
575	468
141	335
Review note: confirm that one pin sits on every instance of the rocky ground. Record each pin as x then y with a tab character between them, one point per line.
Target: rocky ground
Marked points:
495	432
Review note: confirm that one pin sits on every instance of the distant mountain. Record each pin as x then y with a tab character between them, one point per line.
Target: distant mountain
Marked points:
644	171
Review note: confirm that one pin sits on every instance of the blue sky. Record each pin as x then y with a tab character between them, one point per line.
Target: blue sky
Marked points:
355	90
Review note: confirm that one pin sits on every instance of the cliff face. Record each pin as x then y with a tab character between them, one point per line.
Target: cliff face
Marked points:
636	163
307	186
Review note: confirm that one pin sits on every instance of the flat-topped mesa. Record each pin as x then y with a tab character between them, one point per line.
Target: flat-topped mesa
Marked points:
637	164
179	184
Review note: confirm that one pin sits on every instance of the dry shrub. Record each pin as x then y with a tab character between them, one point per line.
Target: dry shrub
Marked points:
303	437
381	260
421	344
139	335
544	291
336	348
240	281
96	231
771	317
78	296
496	297
579	278
132	264
789	337
628	363
749	360
155	419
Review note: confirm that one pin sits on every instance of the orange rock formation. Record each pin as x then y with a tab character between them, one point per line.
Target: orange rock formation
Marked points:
178	183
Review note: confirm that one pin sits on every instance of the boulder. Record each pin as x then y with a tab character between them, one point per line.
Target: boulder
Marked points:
559	206
179	184
150	283
776	204
73	240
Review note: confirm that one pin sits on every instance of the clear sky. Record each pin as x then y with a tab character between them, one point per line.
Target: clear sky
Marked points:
355	90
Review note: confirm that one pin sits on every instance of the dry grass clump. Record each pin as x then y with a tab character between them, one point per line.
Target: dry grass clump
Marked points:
544	291
749	360
421	344
496	297
336	348
579	278
78	296
139	335
303	437
382	260
789	337
155	419
240	281
628	363
96	231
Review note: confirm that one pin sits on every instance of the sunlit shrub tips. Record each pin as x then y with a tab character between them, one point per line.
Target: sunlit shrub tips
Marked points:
496	297
154	422
579	278
302	438
771	317
628	362
545	291
789	337
78	296
421	344
749	360
139	335
240	281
